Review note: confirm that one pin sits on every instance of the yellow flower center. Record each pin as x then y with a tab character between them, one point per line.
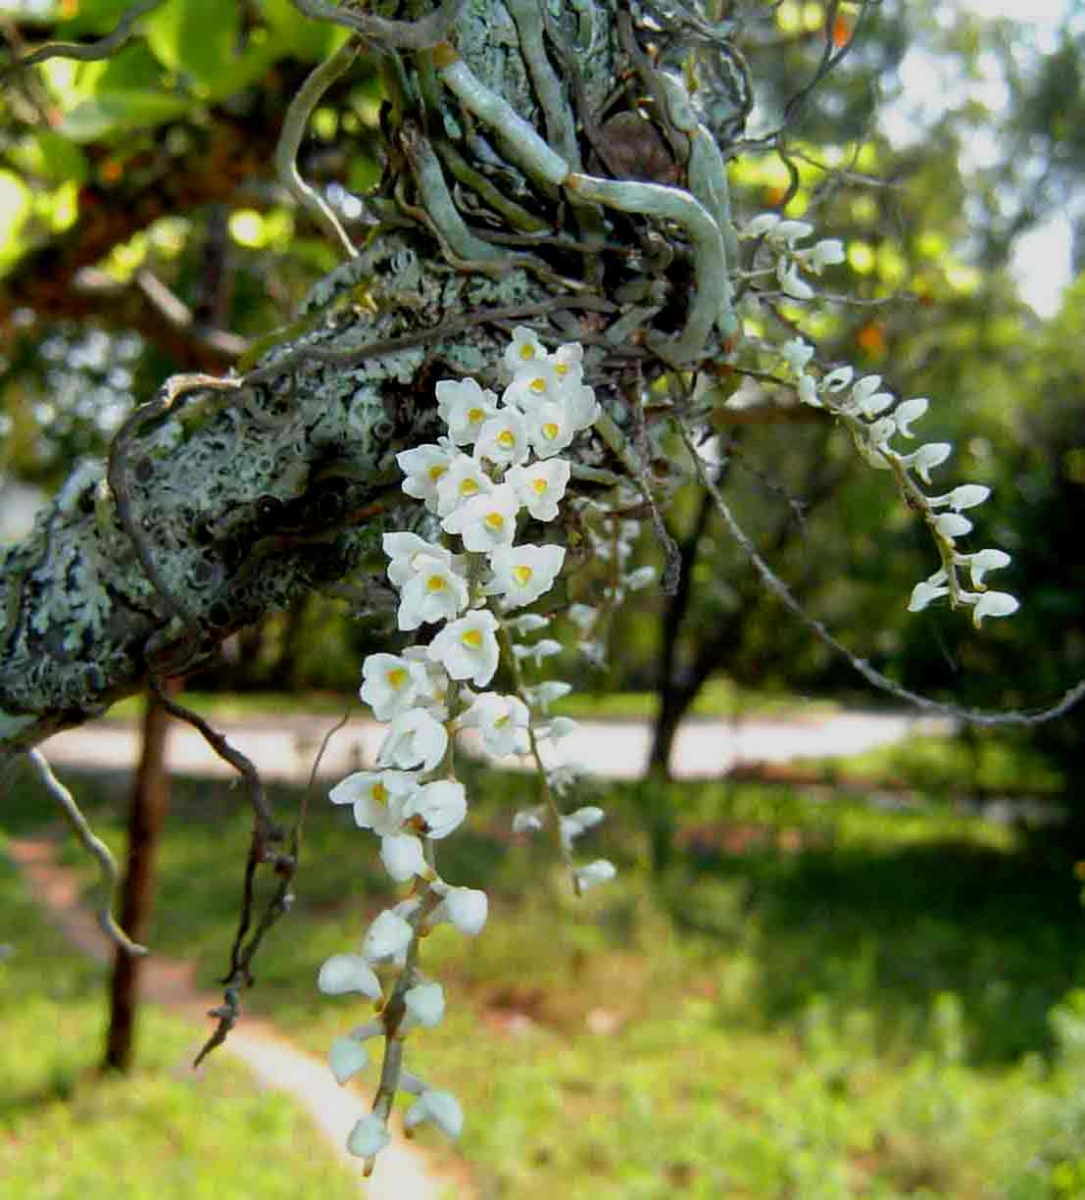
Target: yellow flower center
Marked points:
472	638
436	583
501	722
468	487
561	369
527	351
495	520
380	793
538	385
522	574
474	415
550	431
506	438
538	486
435	472
397	676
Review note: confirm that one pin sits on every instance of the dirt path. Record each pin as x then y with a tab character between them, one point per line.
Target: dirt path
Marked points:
401	1173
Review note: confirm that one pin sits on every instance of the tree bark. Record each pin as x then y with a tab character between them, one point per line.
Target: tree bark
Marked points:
147	811
668	688
223	502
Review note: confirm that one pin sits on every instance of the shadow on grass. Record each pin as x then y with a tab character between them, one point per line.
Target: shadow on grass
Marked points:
889	931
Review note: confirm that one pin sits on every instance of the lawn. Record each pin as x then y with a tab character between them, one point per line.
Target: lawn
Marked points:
816	1001
719	698
167	1133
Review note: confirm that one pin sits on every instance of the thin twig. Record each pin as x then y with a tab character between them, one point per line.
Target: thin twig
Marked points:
772	581
242	956
421	337
295	124
107	866
88	51
423	34
241	764
540	767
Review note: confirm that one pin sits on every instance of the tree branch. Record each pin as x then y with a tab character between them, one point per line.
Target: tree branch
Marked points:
266	485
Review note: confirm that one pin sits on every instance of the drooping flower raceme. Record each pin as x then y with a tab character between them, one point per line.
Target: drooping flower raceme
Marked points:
875	420
499	466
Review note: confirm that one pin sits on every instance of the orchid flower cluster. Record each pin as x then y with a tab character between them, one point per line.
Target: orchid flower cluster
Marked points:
782	238
874	418
500	461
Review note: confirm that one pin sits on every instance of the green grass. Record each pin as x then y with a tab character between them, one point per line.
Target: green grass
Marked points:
938	765
720	698
242	706
817	1000
165	1132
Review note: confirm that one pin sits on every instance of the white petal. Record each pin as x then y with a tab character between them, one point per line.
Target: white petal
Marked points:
922	595
761	224
426	1003
368	1137
465	908
952	525
442	1108
348	973
527	821
983	561
600	871
994	604
589	815
388	936
347	1057
968	495
403	857
909	411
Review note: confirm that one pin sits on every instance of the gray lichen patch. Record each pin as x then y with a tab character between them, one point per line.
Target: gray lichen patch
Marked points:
244	501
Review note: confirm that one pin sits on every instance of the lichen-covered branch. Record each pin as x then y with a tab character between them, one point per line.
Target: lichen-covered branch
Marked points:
224	505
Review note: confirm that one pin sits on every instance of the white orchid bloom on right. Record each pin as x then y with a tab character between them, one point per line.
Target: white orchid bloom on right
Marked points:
874	420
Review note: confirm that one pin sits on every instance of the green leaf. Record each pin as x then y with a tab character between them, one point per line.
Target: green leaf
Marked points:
114	111
298	36
128	93
95	17
198	39
50	157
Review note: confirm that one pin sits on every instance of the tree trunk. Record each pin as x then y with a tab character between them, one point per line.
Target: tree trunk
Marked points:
150	800
671	706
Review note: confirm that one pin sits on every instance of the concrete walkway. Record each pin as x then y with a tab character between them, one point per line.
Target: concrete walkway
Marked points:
401	1172
284	749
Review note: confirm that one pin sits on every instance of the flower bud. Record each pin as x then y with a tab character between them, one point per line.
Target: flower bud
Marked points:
442	1108
346	1057
348	973
425	1004
994	604
368	1137
388	937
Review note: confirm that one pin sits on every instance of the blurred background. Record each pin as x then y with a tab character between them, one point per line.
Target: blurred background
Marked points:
843	955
